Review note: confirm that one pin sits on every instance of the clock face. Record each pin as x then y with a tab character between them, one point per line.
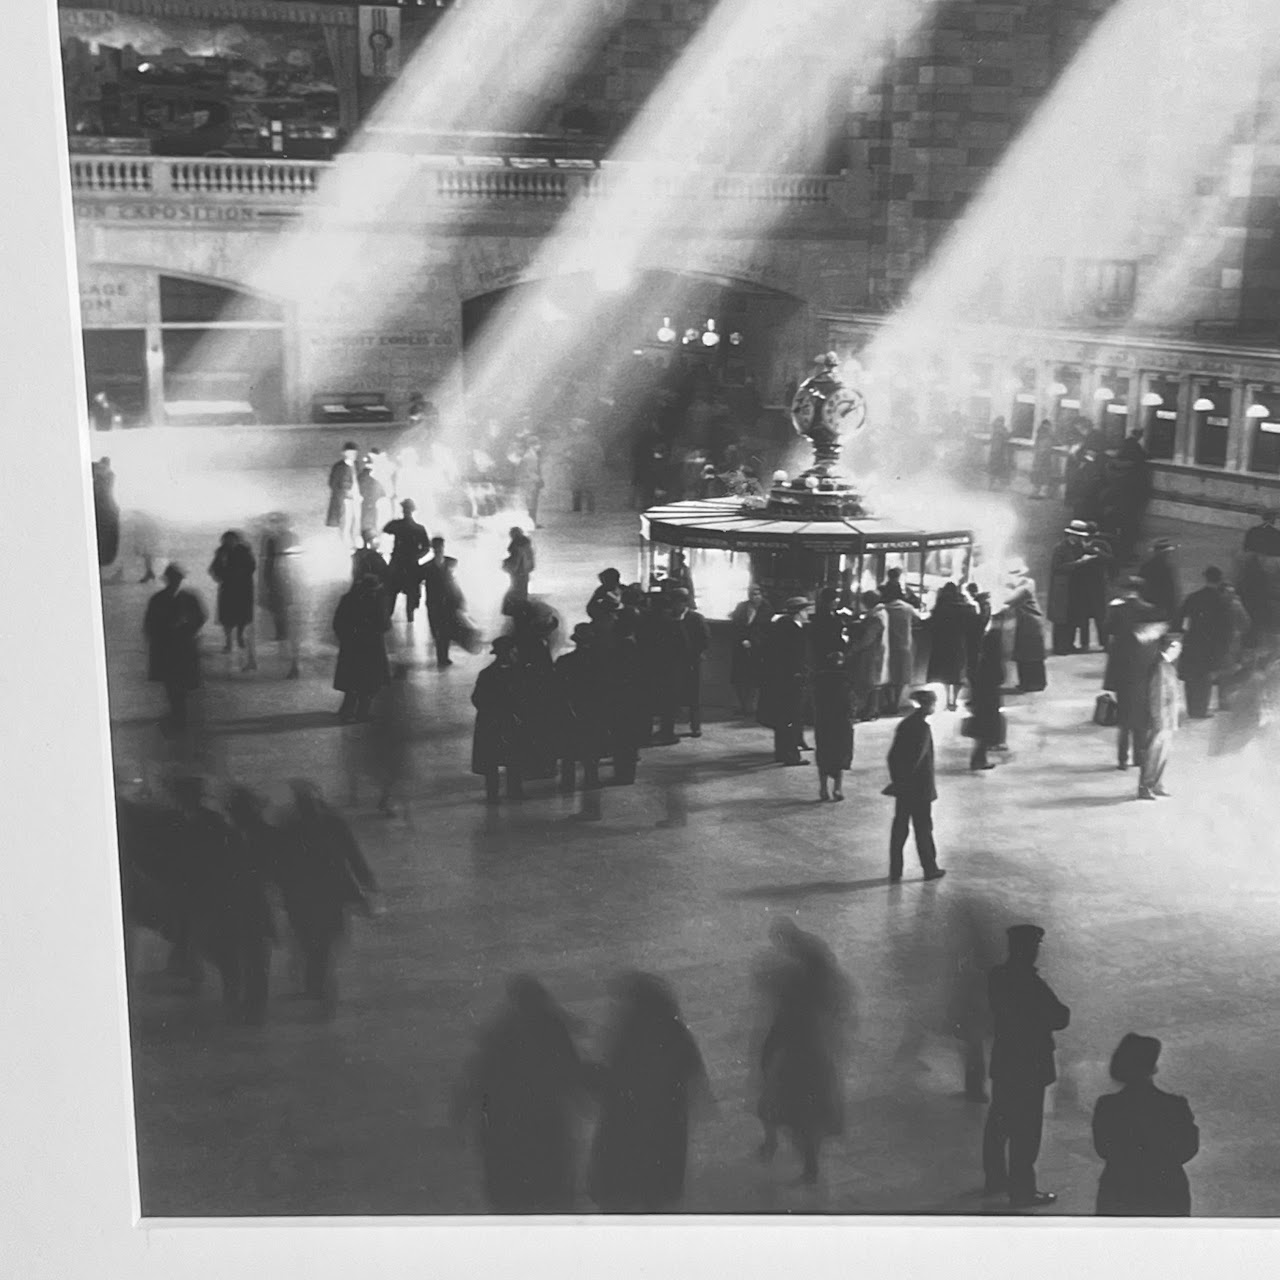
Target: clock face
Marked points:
846	410
803	410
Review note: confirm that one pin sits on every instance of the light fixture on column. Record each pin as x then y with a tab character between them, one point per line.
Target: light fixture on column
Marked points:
1104	393
690	336
1057	388
710	338
735	339
666	333
1204	405
1152	400
1257	411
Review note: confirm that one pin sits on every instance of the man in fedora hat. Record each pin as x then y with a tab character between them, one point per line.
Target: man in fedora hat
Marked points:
785	678
410	548
1159	576
1130	653
682	638
911	783
1068	588
500	740
172	626
1026	1014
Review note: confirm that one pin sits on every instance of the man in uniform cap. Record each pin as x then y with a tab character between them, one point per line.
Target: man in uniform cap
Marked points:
911	783
1026	1013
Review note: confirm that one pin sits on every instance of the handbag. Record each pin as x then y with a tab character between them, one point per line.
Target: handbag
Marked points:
1105	710
967	727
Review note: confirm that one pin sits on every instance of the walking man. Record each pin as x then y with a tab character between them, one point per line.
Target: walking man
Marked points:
1026	1014
912	787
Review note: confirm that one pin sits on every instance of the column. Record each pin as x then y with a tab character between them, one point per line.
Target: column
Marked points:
155	377
1045	403
1240	429
1183	444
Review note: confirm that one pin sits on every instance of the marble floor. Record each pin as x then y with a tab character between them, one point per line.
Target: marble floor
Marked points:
1160	918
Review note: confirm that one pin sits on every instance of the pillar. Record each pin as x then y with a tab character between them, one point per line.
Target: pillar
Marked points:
1183	444
1240	429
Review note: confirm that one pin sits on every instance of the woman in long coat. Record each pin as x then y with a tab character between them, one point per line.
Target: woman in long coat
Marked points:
832	723
1145	1136
949	626
651	1077
902	617
1023	610
361	623
233	569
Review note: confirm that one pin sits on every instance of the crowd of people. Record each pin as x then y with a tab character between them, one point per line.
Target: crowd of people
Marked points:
528	1083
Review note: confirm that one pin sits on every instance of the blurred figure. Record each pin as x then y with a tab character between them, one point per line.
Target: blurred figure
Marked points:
869	651
172	626
978	604
1258	575
527	459
361	623
829	626
800	1062
375	482
1130	653
832	724
1206	621
500	730
651	1078
390	731
607	597
949	625
444	601
231	917
410	546
144	537
1026	1014
1023	609
750	622
1095	575
786	675
1163	710
587	466
1159	574
344	510
972	951
518	566
280	585
986	726
1145	1136
106	513
1233	669
1131	493
232	569
911	783
1044	483
523	1086
999	456
322	874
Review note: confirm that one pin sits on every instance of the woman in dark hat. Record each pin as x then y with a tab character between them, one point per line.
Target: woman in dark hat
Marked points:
232	569
832	723
1145	1136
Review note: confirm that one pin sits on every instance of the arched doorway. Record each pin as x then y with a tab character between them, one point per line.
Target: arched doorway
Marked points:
695	359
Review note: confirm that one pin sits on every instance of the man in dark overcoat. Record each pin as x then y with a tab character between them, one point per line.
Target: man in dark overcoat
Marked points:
1159	576
1205	620
785	679
750	623
409	547
444	601
683	639
344	505
911	783
172	626
585	687
1068	588
1132	635
501	729
1026	1014
361	622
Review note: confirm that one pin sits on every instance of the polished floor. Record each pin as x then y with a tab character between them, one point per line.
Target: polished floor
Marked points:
1161	918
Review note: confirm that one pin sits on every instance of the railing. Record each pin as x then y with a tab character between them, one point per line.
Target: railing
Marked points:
293	180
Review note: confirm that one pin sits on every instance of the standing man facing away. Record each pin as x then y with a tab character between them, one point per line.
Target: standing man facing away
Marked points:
911	783
1026	1014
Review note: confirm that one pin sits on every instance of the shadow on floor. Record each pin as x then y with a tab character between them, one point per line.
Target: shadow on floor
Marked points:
1083	802
290	722
785	892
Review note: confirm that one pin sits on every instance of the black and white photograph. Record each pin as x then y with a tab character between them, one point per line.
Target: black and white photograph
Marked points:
686	596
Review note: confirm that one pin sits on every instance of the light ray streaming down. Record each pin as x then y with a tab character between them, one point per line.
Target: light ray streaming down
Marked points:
758	87
1111	168
359	247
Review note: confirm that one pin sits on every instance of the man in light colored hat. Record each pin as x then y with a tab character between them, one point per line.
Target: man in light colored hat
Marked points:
785	677
1068	588
911	783
1026	1014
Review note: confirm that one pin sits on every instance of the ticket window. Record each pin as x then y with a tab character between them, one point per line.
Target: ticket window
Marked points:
1211	423
1262	416
1022	419
1113	408
1159	420
1066	392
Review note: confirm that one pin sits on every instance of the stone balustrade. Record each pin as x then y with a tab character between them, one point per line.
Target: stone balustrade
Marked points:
298	180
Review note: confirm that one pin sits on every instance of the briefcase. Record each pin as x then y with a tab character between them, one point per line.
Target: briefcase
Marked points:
1105	711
